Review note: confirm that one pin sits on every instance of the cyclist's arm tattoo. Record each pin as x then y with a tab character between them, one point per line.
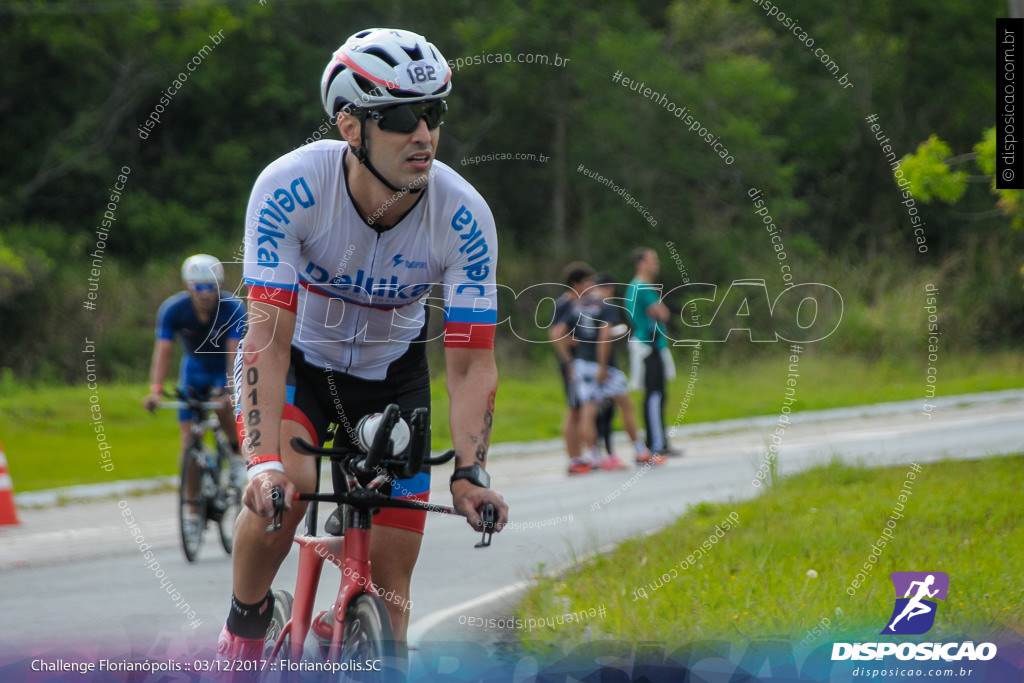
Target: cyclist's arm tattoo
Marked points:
484	439
485	433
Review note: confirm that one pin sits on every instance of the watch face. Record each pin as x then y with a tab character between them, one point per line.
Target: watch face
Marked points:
484	479
475	474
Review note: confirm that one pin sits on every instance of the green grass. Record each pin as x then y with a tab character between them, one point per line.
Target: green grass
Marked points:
50	442
963	518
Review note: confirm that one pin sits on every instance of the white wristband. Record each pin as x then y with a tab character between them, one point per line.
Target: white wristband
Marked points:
263	467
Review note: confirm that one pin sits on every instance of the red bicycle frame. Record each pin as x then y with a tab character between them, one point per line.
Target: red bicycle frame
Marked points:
350	552
351	555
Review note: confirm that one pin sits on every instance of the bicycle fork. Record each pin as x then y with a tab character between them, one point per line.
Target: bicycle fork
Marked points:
352	561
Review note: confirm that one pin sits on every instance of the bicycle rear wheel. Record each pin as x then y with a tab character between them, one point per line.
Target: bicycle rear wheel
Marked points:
369	640
192	509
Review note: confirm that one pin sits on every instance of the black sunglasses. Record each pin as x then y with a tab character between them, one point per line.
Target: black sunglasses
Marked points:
403	118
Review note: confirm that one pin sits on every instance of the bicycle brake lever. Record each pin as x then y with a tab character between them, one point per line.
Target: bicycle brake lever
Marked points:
277	495
487	515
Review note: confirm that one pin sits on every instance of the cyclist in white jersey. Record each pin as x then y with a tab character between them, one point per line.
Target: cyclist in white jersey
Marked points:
345	242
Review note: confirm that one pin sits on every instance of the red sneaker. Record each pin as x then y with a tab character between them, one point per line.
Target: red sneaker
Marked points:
578	466
646	457
612	462
235	648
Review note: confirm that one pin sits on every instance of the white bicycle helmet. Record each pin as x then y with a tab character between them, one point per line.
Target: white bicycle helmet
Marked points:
383	66
202	268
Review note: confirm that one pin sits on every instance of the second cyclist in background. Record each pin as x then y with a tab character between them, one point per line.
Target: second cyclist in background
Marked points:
209	324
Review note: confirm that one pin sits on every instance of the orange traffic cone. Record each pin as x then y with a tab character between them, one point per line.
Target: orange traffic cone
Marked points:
8	511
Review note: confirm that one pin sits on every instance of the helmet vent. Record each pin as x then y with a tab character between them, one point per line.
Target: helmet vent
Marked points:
364	84
381	54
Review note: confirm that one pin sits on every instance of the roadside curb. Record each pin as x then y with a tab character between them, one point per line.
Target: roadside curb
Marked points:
86	492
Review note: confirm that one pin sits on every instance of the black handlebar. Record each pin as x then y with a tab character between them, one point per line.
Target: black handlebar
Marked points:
382	442
353	460
419	444
408	465
488	516
277	495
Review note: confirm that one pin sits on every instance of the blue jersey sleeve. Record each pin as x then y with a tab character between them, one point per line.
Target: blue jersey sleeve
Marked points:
236	327
165	323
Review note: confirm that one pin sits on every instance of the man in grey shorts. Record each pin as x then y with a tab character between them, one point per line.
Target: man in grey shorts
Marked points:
592	325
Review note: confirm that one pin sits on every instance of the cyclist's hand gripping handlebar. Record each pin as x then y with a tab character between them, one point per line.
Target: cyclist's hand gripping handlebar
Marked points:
488	515
277	495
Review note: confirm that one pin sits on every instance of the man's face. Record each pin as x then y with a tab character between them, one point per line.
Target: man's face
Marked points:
404	159
584	285
650	264
204	296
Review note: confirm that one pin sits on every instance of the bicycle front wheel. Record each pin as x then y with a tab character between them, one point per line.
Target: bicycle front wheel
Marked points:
233	507
192	506
369	640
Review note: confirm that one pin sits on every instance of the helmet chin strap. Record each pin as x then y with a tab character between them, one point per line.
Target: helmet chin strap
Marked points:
362	154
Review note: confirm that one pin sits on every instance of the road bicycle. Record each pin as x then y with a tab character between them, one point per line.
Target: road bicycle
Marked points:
362	642
205	493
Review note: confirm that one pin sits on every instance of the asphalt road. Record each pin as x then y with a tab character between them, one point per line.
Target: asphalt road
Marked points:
72	579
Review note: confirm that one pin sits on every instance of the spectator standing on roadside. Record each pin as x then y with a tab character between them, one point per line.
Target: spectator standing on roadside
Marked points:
595	324
650	359
578	276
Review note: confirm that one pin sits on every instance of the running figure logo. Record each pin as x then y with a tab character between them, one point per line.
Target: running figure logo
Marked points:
914	612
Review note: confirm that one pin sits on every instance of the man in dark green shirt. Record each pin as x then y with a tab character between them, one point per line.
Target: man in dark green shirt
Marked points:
650	360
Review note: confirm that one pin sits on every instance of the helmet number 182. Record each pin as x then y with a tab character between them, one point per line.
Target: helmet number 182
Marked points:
419	73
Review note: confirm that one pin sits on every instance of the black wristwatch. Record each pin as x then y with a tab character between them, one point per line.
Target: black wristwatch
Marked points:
474	473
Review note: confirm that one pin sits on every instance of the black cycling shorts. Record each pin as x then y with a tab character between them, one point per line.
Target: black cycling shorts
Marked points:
319	396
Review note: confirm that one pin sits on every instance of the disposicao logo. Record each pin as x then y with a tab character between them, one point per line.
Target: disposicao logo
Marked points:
914	612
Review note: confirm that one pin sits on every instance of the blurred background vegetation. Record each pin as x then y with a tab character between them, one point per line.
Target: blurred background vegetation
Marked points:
82	75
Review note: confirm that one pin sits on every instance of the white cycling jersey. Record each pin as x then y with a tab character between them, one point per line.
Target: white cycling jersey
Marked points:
360	296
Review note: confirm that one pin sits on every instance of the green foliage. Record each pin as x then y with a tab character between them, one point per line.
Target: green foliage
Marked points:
90	75
1009	201
928	169
16	271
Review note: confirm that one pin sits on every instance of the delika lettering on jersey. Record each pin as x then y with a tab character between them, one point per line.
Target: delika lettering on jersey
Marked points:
914	613
474	244
378	288
275	214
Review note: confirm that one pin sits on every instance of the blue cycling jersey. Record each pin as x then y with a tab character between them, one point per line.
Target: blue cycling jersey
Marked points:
205	344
